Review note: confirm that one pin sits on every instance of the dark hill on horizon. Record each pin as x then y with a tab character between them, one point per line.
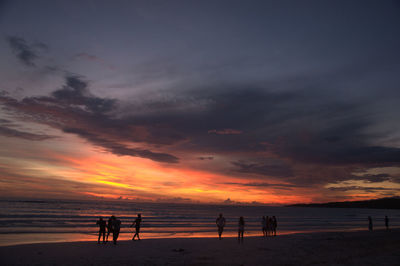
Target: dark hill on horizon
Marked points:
384	203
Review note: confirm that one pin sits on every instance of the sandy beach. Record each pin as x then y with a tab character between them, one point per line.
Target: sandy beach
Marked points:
332	248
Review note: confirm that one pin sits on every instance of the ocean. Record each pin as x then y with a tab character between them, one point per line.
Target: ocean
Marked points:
36	221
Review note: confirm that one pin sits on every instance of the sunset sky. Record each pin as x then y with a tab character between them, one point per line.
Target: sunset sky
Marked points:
200	101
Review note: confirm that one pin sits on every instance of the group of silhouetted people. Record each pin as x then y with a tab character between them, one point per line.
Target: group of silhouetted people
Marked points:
371	227
114	226
269	225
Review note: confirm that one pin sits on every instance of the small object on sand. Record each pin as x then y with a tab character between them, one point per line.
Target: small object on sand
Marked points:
178	250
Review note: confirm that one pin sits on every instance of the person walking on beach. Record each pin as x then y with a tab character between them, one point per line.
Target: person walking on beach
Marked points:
220	224
109	226
241	229
102	229
136	223
274	225
370	223
116	226
264	226
386	222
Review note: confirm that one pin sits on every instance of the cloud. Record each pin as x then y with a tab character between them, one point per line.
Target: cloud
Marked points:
18	181
274	168
303	136
120	149
73	109
26	53
264	185
366	189
9	132
75	92
205	158
377	178
226	131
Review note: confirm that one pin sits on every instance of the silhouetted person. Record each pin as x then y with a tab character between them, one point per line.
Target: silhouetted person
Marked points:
264	226
116	227
136	223
267	226
102	229
386	222
370	223
241	229
110	226
220	224
274	225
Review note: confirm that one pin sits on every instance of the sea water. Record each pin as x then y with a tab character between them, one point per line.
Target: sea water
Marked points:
35	221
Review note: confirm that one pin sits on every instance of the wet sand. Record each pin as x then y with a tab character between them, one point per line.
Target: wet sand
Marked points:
335	248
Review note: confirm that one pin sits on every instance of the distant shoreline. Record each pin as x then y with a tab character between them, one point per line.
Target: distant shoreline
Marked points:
385	203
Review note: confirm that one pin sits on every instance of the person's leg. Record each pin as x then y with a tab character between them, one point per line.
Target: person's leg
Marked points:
137	232
104	237
98	239
116	237
108	234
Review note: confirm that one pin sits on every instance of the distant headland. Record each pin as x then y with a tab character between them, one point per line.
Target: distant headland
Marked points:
383	203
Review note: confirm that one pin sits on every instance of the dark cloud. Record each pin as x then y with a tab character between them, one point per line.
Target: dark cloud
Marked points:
226	131
265	185
272	168
75	110
120	149
306	126
377	178
9	132
26	53
75	92
205	158
366	189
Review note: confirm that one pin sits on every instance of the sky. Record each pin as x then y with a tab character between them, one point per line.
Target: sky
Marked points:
270	102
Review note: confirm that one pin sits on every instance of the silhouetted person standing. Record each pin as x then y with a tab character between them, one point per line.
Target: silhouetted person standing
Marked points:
220	224
274	225
116	227
386	222
268	225
370	227
102	229
136	223
264	226
110	226
241	229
